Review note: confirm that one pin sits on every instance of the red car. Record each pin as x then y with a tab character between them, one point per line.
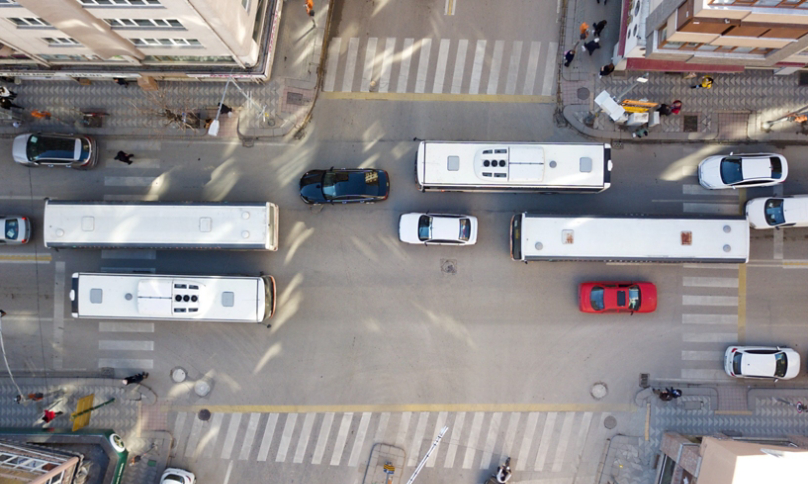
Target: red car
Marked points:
617	297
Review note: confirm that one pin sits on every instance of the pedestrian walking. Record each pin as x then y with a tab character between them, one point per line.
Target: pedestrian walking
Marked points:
676	106
225	109
137	378
592	45
584	30
48	416
675	392
706	83
121	82
37	114
6	92
5	103
598	27
124	157
34	397
568	56
310	10
664	110
607	69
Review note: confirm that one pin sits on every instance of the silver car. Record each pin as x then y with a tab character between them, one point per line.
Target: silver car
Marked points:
742	170
53	149
16	230
437	229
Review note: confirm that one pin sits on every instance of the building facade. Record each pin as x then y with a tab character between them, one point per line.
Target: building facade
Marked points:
131	38
713	35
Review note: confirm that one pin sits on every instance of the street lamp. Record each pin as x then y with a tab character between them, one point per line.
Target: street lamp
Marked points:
3	347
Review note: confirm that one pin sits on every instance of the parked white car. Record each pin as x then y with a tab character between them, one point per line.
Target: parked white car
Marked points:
767	213
172	475
16	230
437	229
742	170
765	362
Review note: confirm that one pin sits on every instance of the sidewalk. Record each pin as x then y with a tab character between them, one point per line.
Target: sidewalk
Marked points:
132	112
734	110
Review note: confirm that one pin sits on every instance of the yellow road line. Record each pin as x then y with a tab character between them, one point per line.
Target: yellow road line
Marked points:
25	258
461	407
477	98
741	303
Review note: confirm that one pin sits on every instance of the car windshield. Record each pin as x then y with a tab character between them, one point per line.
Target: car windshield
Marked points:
634	297
465	229
338	184
774	211
737	358
780	365
731	170
49	148
596	298
424	227
777	167
12	228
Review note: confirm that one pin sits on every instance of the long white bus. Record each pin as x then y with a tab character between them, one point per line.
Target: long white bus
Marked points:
231	299
513	167
640	239
161	225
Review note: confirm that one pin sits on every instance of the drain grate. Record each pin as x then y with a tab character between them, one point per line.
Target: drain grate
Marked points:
583	93
644	377
691	123
448	266
295	98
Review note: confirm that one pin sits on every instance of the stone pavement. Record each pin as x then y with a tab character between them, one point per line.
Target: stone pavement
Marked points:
132	112
734	110
134	415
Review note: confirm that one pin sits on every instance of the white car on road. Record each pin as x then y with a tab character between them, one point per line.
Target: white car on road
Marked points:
765	362
437	229
172	475
742	170
767	213
16	230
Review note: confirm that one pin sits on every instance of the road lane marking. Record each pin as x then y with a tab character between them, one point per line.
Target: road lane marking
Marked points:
730	282
126	327
59	315
129	254
120	345
440	67
550	70
23	197
513	68
439	423
696	189
286	437
249	437
403	428
266	440
230	438
702	355
457	431
710	265
544	444
430	407
496	65
303	440
127	363
527	440
208	440
474	437
583	433
417	438
179	426
381	428
193	438
711	375
532	67
727	338
361	433
404	65
510	434
692	300
423	66
342	436
25	258
350	64
322	439
477	67
710	319
420	96
742	304
561	447
491	439
449	7
387	64
132	181
460	65
712	208
333	63
150	197
370	62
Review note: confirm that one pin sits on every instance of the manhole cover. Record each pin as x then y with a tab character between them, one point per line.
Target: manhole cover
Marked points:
448	266
295	98
178	375
204	415
583	93
599	390
610	422
691	123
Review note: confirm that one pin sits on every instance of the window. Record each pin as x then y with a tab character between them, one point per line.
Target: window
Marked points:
61	41
596	298
29	22
8	2
151	42
246	4
186	59
120	3
12	229
774	211
148	23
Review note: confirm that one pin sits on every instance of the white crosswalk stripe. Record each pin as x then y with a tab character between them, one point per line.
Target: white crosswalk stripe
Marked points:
474	437
544	446
322	439
444	66
454	439
342	437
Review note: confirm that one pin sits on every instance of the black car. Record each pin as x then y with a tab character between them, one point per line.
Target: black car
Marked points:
344	185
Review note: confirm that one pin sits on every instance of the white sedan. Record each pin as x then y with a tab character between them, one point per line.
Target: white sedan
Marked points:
437	229
172	475
766	362
767	213
742	170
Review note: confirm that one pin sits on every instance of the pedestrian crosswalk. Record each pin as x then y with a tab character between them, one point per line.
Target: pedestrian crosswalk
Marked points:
550	443
441	66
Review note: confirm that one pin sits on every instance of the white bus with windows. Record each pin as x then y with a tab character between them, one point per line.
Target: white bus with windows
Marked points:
161	225
637	239
232	299
513	167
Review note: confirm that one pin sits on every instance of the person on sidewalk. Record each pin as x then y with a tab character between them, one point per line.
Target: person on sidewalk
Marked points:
675	392
639	133
592	45
598	27
34	397
6	103
706	83
6	92
584	30
225	109
136	378
310	10
664	110
568	56
48	416
38	114
121	82
124	157
607	69
676	106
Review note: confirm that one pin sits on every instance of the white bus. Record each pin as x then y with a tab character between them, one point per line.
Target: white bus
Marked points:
513	167
161	225
231	299
640	239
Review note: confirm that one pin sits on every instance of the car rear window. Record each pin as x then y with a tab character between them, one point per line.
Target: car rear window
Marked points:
737	358
465	229
780	365
424	227
12	229
596	298
774	211
50	148
634	297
